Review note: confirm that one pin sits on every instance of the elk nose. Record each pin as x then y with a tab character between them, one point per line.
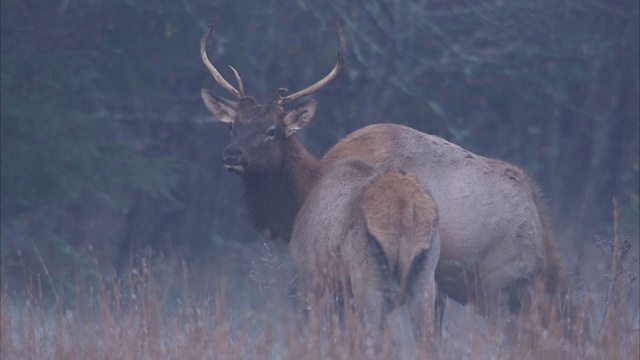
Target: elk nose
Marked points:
232	156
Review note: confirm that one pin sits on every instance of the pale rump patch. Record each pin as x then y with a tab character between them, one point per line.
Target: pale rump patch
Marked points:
401	217
376	232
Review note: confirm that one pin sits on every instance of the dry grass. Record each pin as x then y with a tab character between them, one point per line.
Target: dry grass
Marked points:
138	318
178	312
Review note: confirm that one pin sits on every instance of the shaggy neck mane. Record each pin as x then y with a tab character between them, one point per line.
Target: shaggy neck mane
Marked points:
273	198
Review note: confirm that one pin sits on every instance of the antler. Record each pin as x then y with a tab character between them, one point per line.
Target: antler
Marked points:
205	59
315	87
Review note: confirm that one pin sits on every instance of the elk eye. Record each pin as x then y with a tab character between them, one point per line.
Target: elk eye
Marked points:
271	133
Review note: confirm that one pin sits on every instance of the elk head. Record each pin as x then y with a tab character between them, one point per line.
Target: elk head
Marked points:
259	131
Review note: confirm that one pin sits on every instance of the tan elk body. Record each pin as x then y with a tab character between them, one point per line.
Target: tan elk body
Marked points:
493	227
495	239
379	236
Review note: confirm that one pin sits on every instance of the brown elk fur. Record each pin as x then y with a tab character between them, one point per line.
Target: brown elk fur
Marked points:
496	240
401	217
278	172
377	233
274	198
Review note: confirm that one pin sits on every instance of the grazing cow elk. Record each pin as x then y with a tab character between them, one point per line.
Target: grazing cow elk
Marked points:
377	233
496	240
495	235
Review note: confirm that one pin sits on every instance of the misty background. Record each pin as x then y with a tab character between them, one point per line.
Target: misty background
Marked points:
107	148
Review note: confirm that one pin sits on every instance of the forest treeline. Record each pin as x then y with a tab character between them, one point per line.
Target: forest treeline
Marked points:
107	147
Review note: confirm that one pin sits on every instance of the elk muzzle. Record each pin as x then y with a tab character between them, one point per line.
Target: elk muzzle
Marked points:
234	160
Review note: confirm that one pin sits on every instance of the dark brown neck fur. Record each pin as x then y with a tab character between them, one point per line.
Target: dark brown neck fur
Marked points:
274	198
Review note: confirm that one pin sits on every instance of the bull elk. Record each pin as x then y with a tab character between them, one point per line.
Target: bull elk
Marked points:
375	232
495	236
278	172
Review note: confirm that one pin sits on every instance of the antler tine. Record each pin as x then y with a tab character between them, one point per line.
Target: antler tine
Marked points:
205	59
240	86
320	84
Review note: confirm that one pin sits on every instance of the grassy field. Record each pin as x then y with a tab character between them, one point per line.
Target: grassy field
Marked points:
171	310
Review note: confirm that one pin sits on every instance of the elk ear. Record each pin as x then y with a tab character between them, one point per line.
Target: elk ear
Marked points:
299	117
223	110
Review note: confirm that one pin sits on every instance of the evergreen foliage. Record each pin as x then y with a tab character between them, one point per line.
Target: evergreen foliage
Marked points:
105	142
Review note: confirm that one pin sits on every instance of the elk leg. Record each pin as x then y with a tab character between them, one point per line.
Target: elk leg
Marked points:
422	298
367	289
